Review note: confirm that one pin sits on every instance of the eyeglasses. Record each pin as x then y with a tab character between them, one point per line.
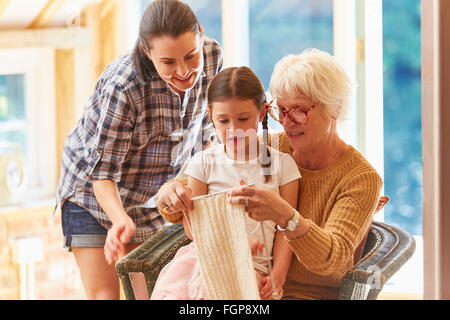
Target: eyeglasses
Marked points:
299	115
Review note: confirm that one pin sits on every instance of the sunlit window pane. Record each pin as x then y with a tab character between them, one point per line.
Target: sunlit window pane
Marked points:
16	137
208	13
13	125
402	100
280	27
12	97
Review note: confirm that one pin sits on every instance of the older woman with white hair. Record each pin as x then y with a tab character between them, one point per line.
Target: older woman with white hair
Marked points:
339	189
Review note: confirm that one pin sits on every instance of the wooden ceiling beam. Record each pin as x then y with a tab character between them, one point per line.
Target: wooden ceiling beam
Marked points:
106	7
3	5
46	15
60	38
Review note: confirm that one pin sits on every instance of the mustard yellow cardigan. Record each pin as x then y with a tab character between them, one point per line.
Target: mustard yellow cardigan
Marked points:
339	201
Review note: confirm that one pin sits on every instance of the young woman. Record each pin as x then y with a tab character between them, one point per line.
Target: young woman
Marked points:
144	119
236	105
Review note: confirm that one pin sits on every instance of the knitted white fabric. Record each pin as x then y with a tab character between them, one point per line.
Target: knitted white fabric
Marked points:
223	249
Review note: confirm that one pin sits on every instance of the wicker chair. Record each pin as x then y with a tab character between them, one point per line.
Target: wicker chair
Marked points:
387	248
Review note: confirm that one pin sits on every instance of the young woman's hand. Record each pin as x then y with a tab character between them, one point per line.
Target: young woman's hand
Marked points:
118	236
174	197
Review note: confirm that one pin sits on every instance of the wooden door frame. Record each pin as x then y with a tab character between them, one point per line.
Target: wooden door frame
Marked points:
436	147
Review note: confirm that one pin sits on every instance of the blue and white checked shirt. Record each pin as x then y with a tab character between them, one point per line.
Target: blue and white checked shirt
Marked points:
138	135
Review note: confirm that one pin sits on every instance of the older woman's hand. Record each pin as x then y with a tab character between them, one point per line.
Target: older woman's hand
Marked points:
261	204
174	197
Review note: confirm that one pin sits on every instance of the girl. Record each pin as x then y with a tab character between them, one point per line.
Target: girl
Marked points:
236	103
129	141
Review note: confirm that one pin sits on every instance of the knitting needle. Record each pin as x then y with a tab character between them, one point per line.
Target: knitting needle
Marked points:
269	260
224	191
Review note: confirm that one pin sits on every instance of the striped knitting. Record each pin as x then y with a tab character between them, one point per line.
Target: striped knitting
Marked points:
223	249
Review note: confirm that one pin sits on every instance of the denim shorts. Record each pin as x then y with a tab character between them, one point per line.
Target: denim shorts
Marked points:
80	228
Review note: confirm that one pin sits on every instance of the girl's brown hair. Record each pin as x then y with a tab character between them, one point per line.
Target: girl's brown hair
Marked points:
242	83
162	17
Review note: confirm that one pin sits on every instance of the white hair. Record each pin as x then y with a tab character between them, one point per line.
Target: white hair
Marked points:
315	74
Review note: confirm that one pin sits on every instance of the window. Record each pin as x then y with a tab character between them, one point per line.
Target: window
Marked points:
27	124
402	100
208	13
280	27
12	110
13	135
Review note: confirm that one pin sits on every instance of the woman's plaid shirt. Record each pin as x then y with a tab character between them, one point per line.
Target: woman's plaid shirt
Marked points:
138	135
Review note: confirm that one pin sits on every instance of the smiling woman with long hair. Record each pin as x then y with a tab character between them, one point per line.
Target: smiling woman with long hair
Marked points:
146	115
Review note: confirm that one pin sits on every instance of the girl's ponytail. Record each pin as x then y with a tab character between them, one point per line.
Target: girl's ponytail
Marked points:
266	160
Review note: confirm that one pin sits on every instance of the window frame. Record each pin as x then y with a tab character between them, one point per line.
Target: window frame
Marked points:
358	34
358	45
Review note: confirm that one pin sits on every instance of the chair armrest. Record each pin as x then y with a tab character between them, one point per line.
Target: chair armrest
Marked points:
386	251
150	257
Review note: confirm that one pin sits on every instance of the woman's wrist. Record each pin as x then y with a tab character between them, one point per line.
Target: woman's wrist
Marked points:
285	214
107	195
120	217
116	213
303	227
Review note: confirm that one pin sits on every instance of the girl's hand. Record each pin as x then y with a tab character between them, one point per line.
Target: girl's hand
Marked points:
174	197
266	290
256	247
118	236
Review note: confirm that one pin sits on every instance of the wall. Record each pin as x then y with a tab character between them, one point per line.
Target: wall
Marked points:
77	66
56	276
